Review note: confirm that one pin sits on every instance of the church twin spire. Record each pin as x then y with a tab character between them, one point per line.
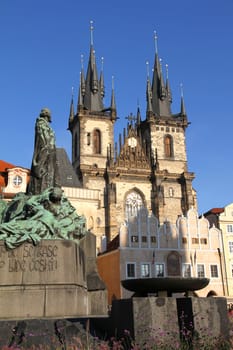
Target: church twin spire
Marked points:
159	96
91	89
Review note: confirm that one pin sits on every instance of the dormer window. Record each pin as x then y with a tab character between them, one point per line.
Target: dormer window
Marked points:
17	180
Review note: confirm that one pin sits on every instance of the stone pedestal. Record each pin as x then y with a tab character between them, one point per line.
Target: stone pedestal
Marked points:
154	318
55	279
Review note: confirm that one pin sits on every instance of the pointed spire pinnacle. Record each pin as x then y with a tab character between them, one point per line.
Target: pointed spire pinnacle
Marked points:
169	94
81	93
94	75
113	102
147	70
92	86
101	82
71	116
148	91
82	78
157	61
162	87
138	115
182	107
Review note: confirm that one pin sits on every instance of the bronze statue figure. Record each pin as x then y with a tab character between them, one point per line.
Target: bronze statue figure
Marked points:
48	215
44	172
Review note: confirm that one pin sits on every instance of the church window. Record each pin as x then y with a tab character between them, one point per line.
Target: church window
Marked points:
168	146
171	192
97	141
167	129
88	139
184	240
230	228
98	222
133	204
144	239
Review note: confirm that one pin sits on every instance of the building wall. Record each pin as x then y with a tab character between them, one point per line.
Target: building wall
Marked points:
225	221
109	270
89	204
190	243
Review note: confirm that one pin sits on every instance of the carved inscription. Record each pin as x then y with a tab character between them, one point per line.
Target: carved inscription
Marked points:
30	258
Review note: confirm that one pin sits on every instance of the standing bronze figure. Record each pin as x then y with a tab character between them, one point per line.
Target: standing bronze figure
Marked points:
44	172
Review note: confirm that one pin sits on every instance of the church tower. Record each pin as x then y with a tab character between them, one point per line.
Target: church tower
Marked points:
92	125
163	136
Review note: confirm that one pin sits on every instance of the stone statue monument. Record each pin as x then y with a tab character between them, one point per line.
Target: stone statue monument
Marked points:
44	172
47	257
44	212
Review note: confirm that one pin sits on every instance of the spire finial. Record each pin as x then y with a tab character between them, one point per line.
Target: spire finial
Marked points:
82	59
182	108
113	102
166	71
91	29
147	69
181	90
72	91
156	41
102	63
161	65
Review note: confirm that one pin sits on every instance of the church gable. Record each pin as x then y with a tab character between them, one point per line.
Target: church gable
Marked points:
131	153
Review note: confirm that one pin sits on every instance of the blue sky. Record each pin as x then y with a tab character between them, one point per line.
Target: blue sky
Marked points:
41	42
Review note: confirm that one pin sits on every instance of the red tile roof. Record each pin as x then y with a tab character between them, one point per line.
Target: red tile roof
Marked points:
214	211
3	172
4	166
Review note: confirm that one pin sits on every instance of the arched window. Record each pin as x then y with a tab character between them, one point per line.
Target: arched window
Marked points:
168	146
133	204
97	141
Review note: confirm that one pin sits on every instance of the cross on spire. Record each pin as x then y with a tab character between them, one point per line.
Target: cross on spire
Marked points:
91	29
131	118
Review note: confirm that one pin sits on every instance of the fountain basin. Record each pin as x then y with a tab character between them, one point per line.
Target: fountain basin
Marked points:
143	286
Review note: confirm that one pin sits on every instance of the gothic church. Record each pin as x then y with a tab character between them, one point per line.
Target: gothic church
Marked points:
146	168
